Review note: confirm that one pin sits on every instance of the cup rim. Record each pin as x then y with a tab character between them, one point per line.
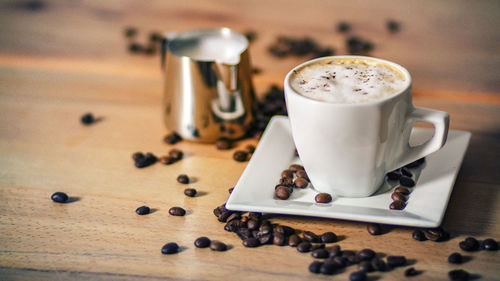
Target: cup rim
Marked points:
289	89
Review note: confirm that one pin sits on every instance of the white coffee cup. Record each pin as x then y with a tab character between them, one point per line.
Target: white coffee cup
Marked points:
347	148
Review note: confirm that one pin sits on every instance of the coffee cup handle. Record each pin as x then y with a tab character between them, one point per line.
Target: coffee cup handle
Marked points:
439	119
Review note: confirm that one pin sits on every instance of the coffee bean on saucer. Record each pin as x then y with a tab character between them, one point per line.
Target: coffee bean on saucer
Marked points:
455	258
294	240
166	160
315	267
310	237
184	179
282	192
137	156
397	205
59	197
323	198
406	181
177	211
398	196
415	163
202	242
419	235
250	149
328	237
240	156
143	210
176	154
172	138
395	261
357	276
469	244
458	275
489	244
301	182
87	119
304	247
394	175
374	228
217	246
406	172
411	272
402	190
286	181
170	248
190	192
320	254
223	144
230	190
295	167
287	174
302	174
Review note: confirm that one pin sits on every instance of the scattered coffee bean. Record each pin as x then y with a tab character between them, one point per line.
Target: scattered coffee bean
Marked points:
339	262
184	179
393	26
310	237
295	167
334	250
87	119
365	266
251	35
294	240
135	48
287	174
406	172
166	160
143	210
279	239
190	192
170	248
223	144
59	197
202	242
250	149
356	45
395	261
282	192
137	156
397	205
406	181
416	163
343	27
458	275
436	234
411	272
366	254
217	246
469	244
419	235
374	228
379	265
240	156
396	196
230	190
251	242
172	138
317	246
455	258
176	154
320	254
323	198
489	245
357	276
394	175
327	269
301	182
302	174
315	267
304	247
130	31
402	190
329	237
177	211
147	160
286	230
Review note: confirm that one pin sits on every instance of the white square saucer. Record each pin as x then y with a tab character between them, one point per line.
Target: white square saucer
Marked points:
275	152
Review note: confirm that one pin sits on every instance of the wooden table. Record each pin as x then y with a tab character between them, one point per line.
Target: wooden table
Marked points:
59	60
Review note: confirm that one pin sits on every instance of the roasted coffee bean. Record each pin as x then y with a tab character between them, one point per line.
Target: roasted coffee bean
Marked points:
143	210
202	242
301	182
251	242
147	160
155	37
396	196
366	254
190	192
458	275
230	190
323	198
166	160
455	258
87	119
328	237
317	246
379	265
287	174
177	211
279	239
283	192
59	197
310	237
240	156
217	246
135	48
416	163
320	254
184	179
295	167
374	228
244	233
436	234
343	26
397	205
411	272
130	32
223	144
406	172
294	240
285	230
250	35
403	190
394	175
286	181
340	262
250	149
327	269
304	247
354	259
170	248
469	244
265	228
176	154
172	138
489	244
265	239
334	250
218	210
137	156
315	267
357	276
406	181
253	224
365	266
395	261
419	235
302	174
393	26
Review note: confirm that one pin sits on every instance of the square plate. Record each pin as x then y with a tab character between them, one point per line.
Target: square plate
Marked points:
426	205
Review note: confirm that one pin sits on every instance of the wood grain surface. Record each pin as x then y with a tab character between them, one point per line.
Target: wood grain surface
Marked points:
61	59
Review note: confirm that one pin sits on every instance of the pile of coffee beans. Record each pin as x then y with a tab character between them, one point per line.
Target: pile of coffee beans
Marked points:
405	178
288	46
438	234
293	177
142	160
273	103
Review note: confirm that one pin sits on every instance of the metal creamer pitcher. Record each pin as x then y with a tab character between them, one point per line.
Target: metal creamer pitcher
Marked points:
208	91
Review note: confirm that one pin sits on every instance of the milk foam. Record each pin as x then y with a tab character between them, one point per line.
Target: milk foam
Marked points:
349	80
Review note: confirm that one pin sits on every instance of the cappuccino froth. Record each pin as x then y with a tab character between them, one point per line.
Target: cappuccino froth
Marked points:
348	80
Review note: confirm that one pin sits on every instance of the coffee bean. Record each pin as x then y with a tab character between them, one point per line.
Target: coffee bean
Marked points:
217	246
155	37
395	261
406	172
366	254
282	192
469	244
403	190
135	48
223	144
458	275
130	31
419	235
411	272
172	138
317	246
190	192
294	240
230	190
357	276
184	179
202	242
286	181
170	248
343	27
295	167
365	266
320	254
176	154
394	175
436	234
287	174
393	26
240	156
379	265
137	156
328	237
301	182
396	196
310	237
406	181
234	216
323	198
397	205
489	245
251	242
244	233
250	149
265	228
177	211
374	228
59	197
302	174
334	250
143	210
416	163
265	238
87	119
253	224
455	258
148	159
166	160
304	247
339	262
279	239
315	267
